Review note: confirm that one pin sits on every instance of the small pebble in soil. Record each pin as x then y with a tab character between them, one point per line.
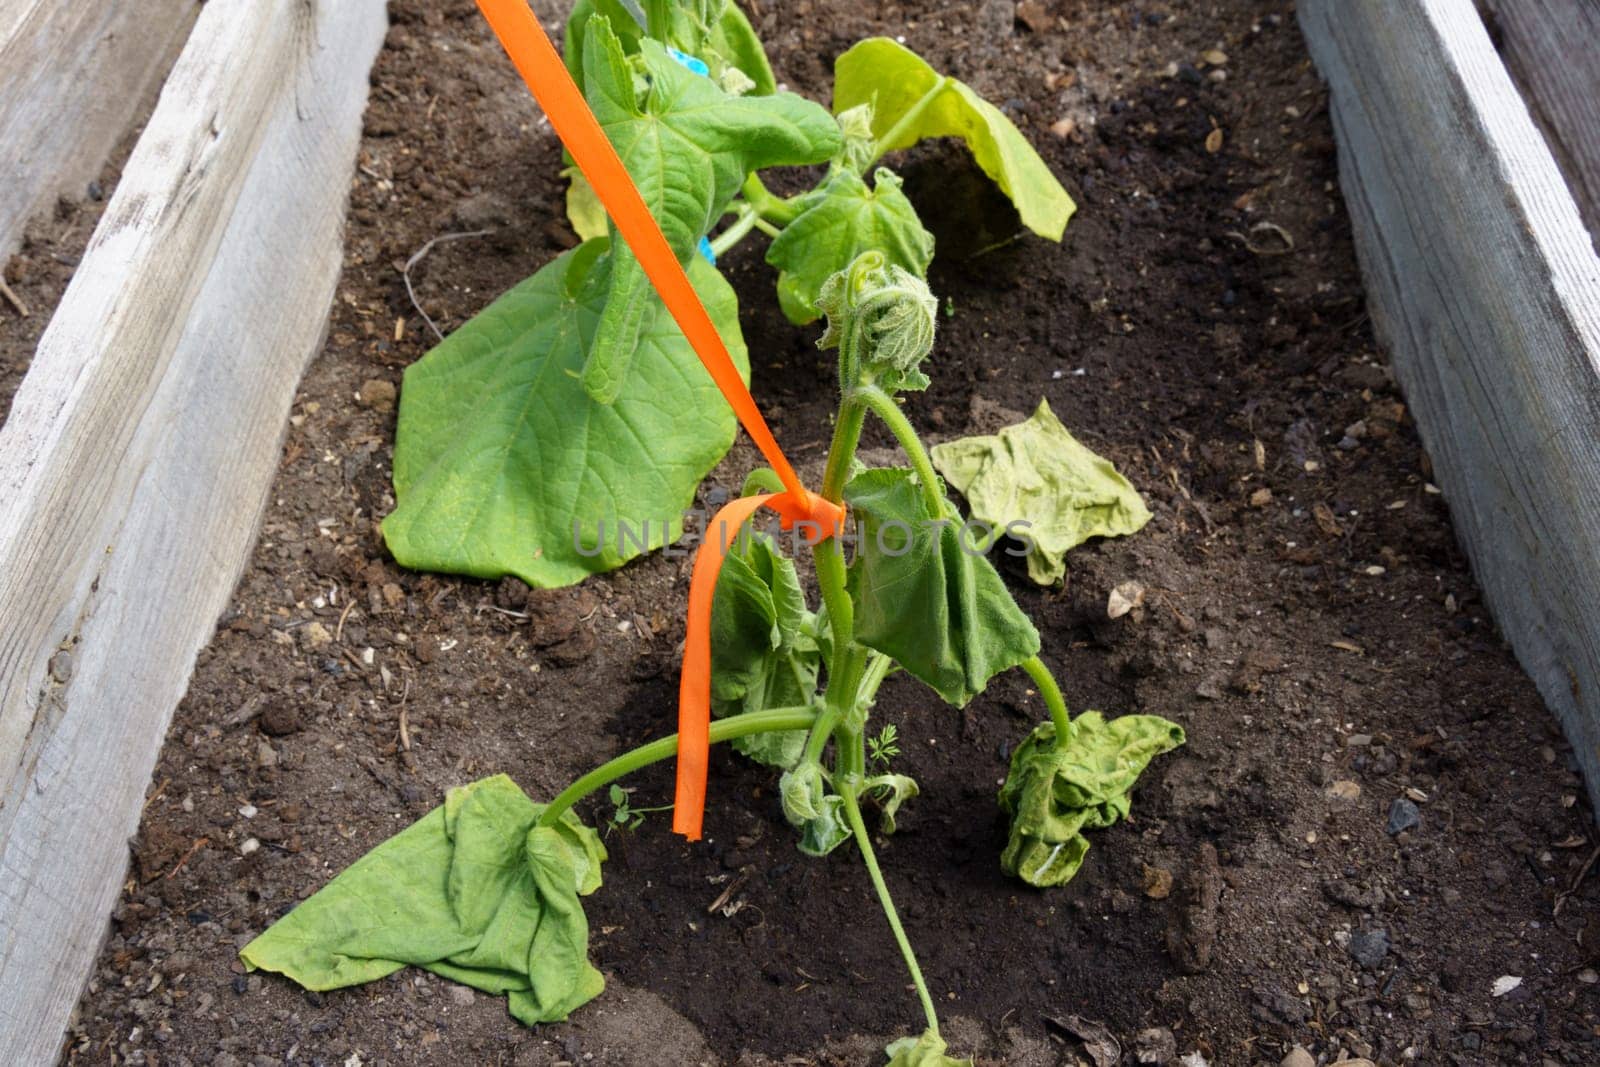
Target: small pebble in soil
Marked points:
1403	816
1369	947
1156	1046
1298	1057
279	719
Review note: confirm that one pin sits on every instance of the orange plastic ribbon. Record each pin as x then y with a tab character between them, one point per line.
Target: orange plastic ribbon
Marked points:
536	59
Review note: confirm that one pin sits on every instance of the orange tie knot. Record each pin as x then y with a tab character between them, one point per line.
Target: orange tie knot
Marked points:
816	517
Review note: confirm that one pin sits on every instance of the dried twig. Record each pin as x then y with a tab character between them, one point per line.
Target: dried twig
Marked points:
1561	898
199	844
12	298
417	257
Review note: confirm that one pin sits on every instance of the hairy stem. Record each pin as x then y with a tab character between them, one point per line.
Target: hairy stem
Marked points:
884	406
1052	696
754	722
906	121
771	207
742	225
852	811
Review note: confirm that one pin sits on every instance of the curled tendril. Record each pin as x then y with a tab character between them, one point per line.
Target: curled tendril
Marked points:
882	318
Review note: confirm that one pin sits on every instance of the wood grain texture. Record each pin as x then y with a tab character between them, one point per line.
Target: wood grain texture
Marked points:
1552	48
139	451
73	73
1485	290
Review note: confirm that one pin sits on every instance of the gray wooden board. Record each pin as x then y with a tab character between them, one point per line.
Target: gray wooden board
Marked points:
1552	47
73	74
139	452
1485	290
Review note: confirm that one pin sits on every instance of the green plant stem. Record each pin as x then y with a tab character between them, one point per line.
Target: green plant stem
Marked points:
771	207
754	722
906	121
846	436
852	811
1052	697
762	480
742	225
884	406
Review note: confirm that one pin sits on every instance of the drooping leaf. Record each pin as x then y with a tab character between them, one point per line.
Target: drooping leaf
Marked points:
474	891
894	79
925	595
1055	793
1037	473
925	1050
839	220
763	653
688	146
503	465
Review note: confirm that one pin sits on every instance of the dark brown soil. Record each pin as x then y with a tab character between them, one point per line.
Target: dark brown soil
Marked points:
1308	618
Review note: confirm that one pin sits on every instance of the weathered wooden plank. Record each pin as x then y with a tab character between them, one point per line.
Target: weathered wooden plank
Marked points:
1553	49
73	73
139	451
1485	289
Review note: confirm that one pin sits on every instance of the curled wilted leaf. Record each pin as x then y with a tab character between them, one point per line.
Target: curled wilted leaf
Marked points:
810	807
1054	793
1037	480
764	653
890	791
475	891
925	1050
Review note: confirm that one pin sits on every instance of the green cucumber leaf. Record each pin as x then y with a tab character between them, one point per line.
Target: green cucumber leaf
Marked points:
503	465
688	146
1038	473
840	219
763	654
1054	793
628	25
925	1050
584	210
893	79
817	813
925	596
473	891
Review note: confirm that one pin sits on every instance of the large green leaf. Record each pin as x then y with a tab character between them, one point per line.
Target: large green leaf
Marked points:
1037	473
688	146
839	220
503	465
925	1050
473	891
1054	793
897	82
925	595
764	654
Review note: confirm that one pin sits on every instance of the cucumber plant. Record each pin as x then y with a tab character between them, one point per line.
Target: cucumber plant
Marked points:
485	890
535	410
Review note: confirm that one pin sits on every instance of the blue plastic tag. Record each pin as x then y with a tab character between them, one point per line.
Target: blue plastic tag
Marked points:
686	60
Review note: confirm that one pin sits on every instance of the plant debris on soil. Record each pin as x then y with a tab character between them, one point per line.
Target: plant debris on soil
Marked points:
1374	845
